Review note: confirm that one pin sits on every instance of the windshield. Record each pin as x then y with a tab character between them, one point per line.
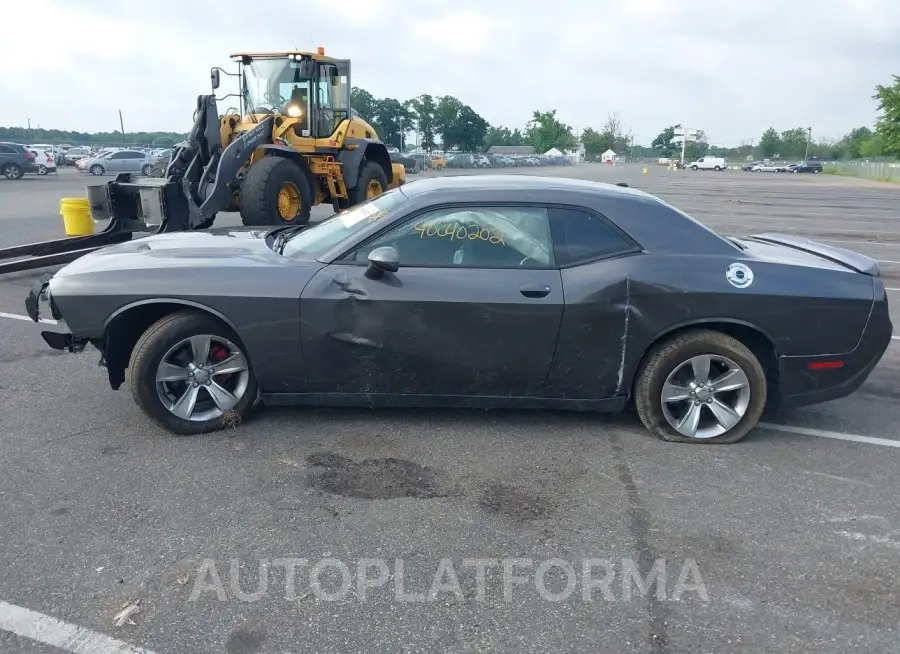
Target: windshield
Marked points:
324	236
270	83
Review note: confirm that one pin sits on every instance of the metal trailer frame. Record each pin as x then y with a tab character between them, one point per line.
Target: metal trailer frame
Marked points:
196	186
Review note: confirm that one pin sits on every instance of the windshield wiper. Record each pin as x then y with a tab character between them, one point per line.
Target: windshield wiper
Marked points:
284	236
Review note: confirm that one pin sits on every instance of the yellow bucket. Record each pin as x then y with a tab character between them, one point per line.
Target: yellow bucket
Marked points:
76	215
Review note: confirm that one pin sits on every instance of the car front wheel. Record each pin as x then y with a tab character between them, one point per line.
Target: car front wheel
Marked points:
700	387
190	375
97	170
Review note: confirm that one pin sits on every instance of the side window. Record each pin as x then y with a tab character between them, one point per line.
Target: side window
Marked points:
117	155
471	237
5	149
580	236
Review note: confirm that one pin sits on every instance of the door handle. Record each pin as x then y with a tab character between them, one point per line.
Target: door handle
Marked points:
534	291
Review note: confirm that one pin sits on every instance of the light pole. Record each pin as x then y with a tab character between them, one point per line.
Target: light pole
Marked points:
808	139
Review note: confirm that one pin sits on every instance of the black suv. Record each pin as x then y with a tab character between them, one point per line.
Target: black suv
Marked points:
15	160
811	165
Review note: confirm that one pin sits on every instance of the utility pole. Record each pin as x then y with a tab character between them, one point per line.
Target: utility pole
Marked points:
122	126
30	137
808	139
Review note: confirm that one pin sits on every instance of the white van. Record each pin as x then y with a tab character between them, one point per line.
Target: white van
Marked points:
708	163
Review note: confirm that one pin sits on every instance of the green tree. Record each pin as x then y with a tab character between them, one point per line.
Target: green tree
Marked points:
888	124
793	142
545	131
394	120
365	104
446	115
469	130
499	135
769	143
699	147
422	111
665	143
852	142
873	147
595	143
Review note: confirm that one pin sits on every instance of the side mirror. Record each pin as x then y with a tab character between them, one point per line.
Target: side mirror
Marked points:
215	78
382	260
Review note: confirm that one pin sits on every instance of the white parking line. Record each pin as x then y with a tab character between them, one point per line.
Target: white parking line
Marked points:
16	316
833	240
56	633
820	433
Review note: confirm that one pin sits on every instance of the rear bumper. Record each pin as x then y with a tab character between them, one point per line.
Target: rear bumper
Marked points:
802	385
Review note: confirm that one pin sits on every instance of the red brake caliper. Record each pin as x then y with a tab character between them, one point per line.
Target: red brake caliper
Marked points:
218	353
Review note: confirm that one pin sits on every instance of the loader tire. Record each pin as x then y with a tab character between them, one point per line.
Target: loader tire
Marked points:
372	182
275	191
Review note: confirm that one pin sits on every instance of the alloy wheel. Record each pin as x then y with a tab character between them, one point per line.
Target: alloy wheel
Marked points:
705	396
202	377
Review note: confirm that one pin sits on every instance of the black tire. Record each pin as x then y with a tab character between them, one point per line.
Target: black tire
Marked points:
96	170
261	187
667	356
693	167
369	172
816	171
13	171
718	168
41	170
145	359
145	171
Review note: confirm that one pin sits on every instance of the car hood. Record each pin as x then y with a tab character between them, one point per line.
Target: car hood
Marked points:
208	248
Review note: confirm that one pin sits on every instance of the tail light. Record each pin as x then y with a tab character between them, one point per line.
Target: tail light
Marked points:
29	155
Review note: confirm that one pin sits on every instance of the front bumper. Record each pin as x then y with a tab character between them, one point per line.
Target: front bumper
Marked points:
39	302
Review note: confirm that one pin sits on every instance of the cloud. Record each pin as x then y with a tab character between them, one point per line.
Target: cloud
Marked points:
731	69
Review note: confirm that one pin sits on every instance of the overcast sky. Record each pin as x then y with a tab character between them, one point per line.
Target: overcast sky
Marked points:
740	66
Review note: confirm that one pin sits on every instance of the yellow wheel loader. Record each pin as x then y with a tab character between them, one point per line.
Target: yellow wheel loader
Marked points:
293	142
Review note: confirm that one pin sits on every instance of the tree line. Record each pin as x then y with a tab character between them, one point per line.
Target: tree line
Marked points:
448	122
881	140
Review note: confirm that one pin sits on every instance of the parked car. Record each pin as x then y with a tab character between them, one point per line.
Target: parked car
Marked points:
15	160
74	155
44	161
411	164
481	161
749	167
120	161
708	163
811	165
437	162
769	168
534	267
423	161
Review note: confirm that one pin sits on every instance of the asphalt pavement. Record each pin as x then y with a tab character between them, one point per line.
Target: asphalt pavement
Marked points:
450	531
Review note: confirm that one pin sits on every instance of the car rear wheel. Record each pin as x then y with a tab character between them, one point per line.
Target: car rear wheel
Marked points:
145	171
12	171
190	375
718	168
97	170
700	387
41	170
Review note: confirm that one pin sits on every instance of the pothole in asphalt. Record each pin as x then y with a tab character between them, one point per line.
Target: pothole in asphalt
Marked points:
514	503
373	479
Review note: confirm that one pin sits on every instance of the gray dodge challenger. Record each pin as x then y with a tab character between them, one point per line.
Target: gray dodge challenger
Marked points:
478	291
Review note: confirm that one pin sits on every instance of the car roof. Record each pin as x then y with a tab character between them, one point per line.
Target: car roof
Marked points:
519	182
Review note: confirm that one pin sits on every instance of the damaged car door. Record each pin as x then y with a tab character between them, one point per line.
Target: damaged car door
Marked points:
473	307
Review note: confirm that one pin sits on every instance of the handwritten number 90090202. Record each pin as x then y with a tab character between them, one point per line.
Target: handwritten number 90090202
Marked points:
458	232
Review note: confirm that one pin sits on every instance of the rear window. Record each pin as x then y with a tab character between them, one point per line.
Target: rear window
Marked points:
579	236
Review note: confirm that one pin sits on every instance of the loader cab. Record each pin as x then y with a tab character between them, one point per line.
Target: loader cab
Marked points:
310	89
